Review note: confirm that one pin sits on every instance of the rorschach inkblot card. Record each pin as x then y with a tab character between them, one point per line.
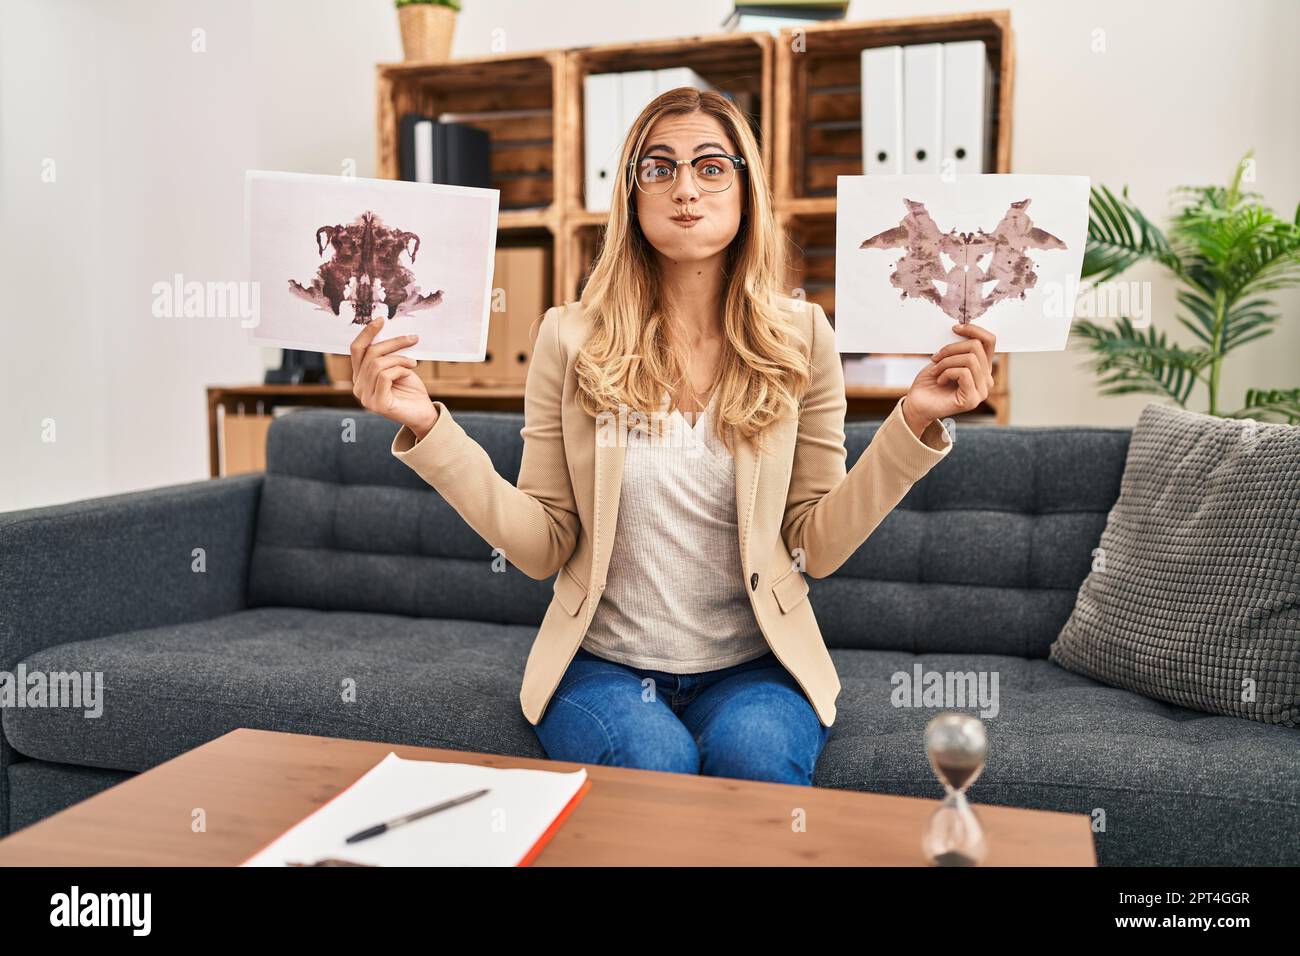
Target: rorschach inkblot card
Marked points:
915	255
329	254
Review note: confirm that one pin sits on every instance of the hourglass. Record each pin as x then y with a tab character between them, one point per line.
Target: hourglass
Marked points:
956	745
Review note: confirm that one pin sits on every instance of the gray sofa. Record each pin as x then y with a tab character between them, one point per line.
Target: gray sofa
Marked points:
339	564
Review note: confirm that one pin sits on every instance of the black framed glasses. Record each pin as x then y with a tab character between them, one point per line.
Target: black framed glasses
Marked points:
714	172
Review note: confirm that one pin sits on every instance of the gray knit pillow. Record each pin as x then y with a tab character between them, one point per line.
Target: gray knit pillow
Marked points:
1194	598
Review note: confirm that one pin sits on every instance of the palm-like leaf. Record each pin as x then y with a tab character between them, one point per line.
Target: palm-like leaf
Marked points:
1266	404
1141	360
1243	251
1120	235
1244	322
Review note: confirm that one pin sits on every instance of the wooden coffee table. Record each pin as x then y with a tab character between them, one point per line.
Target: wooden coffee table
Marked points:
253	785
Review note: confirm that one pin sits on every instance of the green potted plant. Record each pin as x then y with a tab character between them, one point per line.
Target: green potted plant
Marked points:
1227	251
427	28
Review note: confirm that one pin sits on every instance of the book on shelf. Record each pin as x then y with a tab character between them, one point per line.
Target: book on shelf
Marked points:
753	17
453	154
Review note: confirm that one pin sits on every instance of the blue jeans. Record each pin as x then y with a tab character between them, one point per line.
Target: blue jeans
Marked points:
750	721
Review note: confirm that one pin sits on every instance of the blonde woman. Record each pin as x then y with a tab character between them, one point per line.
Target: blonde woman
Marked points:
683	469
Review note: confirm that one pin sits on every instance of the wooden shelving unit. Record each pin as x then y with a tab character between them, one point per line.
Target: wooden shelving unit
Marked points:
803	91
515	98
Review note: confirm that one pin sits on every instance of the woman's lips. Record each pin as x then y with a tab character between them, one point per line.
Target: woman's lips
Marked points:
686	222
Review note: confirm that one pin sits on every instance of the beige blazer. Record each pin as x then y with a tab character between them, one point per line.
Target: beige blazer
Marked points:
795	506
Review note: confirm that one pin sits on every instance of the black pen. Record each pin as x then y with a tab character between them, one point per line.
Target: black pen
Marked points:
398	821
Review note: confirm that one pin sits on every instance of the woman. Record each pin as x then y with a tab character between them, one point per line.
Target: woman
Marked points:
683	468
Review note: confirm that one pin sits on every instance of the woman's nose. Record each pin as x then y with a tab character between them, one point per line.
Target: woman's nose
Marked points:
685	189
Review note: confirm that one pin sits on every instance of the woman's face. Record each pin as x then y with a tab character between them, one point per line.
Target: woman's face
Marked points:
685	137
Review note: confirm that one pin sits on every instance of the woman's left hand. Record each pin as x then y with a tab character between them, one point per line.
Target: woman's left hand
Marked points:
957	379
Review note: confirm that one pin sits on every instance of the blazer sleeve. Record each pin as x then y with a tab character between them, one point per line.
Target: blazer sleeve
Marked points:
534	522
828	513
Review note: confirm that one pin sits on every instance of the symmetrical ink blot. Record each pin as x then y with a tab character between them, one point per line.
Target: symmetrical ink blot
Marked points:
921	271
365	269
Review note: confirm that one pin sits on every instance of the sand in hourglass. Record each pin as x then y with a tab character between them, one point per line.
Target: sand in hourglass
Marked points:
959	772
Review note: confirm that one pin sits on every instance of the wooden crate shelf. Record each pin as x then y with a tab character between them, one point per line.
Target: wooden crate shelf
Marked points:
810	257
513	98
581	245
818	103
803	92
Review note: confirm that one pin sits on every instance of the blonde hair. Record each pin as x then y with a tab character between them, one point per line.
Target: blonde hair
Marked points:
626	361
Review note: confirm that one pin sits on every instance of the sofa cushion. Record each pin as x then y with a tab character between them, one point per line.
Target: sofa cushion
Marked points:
1197	599
1176	786
435	683
1058	741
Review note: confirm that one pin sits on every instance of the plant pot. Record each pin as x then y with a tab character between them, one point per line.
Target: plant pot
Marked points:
427	30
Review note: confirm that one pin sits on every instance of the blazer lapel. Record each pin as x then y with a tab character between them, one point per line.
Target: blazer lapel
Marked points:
747	469
611	446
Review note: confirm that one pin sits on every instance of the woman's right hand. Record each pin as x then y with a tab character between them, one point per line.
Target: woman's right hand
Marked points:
386	383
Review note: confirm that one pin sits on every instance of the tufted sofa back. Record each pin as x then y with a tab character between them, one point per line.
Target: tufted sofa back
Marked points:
343	525
983	555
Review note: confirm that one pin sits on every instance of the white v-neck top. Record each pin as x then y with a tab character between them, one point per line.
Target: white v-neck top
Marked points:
675	597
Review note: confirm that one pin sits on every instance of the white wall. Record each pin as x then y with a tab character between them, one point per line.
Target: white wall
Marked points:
150	141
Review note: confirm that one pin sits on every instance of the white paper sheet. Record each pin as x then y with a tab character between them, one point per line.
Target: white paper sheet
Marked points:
497	829
325	254
913	254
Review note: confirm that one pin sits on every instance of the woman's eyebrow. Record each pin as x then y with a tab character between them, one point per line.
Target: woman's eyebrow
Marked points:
668	149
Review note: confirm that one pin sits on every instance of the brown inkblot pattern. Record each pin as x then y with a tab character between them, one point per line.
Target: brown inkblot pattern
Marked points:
921	271
365	268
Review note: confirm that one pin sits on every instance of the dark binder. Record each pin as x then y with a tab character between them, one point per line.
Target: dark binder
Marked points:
462	154
467	151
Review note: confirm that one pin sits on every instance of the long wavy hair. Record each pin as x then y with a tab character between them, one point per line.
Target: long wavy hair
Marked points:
627	360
